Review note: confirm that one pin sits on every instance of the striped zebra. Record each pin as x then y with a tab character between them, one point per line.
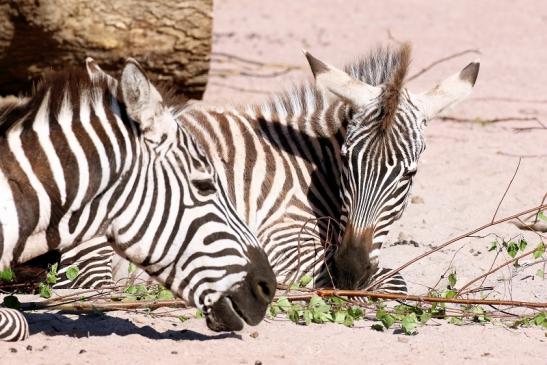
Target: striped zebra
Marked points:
88	155
345	148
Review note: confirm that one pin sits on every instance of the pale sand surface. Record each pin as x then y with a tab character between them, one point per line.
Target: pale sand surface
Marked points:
461	178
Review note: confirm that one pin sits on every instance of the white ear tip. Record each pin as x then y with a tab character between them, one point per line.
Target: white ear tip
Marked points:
305	52
89	60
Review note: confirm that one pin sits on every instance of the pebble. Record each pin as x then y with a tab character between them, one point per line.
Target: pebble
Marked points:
254	334
417	200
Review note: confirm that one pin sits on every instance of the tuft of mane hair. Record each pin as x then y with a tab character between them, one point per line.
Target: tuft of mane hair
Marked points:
388	67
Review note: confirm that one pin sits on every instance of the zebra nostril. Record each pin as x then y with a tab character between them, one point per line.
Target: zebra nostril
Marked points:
264	292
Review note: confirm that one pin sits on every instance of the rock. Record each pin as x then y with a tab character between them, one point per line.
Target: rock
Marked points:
417	200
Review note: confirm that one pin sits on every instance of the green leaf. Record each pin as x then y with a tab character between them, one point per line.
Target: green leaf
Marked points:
522	245
131	290
307	316
283	304
449	294
493	246
540	319
455	321
317	301
340	316
51	277
539	251
540	273
409	324
11	301
165	295
131	268
183	318
72	273
199	314
424	317
512	249
356	313
305	280
45	290
293	315
452	279
348	321
377	327
7	275
130	298
542	216
386	318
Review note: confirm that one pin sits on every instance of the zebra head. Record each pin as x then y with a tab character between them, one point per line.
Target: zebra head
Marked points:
380	152
193	242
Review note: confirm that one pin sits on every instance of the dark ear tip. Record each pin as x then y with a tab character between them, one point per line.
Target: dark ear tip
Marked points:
317	66
470	72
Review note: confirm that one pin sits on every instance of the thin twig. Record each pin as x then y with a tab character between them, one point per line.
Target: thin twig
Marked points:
449	118
462	289
451	241
105	306
506	189
441	60
414	298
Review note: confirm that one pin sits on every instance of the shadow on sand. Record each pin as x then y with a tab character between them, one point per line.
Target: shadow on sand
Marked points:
91	325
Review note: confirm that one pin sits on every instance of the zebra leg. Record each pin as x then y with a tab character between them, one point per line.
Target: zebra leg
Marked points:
13	325
93	259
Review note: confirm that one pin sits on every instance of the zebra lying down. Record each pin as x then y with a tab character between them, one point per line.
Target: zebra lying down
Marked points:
87	155
346	148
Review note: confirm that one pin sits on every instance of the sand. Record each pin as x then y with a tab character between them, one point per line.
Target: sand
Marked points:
461	179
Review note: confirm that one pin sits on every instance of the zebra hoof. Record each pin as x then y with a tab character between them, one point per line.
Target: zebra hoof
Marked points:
13	325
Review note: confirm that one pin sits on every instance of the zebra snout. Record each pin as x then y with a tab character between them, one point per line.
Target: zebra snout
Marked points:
247	301
352	266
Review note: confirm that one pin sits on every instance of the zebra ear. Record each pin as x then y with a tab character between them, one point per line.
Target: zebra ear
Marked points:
449	92
341	84
141	98
96	73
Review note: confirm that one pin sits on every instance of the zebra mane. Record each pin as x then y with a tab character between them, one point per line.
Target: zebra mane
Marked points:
71	81
385	66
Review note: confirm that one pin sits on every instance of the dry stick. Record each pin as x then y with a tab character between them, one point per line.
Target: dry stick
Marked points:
521	156
444	59
105	306
461	291
242	89
506	190
451	241
449	118
413	298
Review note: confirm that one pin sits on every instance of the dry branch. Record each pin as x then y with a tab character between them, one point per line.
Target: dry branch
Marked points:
105	306
414	298
441	60
451	241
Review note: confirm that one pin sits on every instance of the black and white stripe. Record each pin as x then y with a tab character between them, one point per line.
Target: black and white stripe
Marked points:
347	150
88	156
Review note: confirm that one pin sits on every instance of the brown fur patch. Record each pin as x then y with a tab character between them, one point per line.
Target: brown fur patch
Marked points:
392	88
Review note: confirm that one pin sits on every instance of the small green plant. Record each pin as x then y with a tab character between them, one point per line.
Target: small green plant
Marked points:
72	273
44	288
7	275
317	310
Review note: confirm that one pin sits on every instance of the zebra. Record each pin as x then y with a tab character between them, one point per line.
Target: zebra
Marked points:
89	155
346	148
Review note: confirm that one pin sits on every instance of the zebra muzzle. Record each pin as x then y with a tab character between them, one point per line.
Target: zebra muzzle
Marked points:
352	266
248	301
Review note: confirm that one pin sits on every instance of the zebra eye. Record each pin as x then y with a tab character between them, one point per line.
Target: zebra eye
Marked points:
204	186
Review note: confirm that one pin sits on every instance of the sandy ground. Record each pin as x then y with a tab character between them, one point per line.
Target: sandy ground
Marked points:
461	178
